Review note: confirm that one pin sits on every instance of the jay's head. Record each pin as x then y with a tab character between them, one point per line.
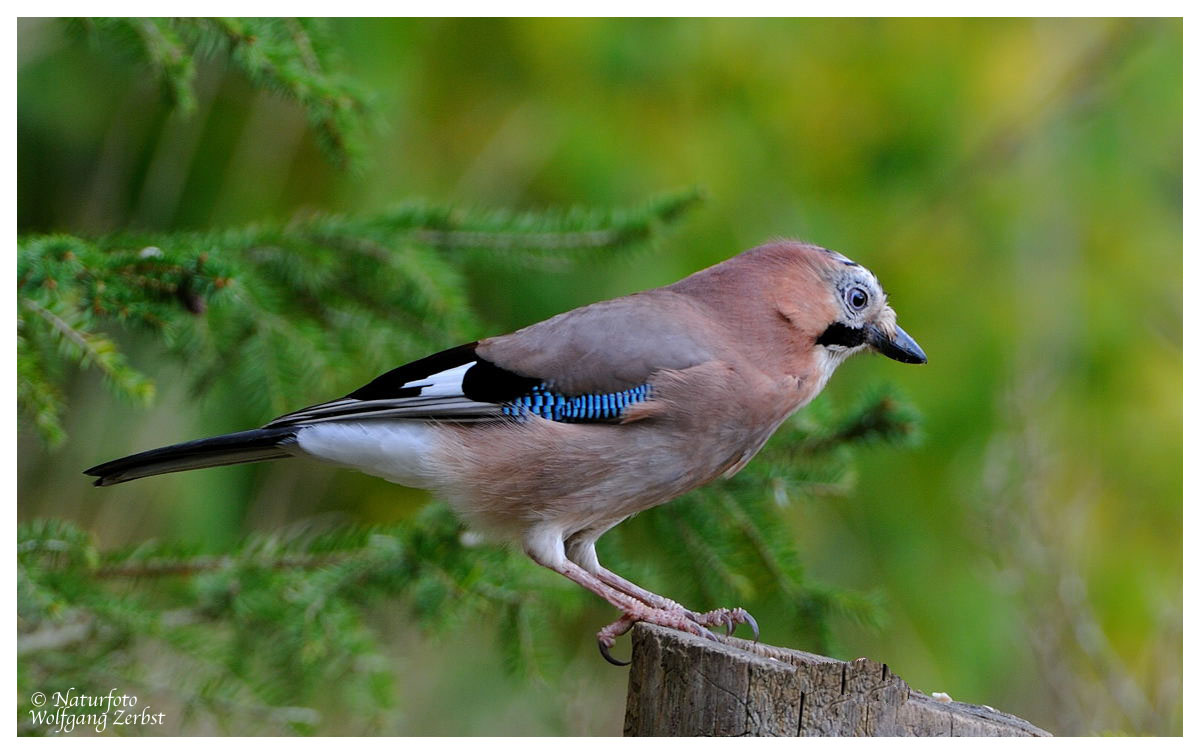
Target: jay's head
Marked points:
830	302
857	311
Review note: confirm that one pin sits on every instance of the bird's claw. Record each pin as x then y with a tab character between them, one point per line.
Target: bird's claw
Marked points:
729	618
607	636
739	615
704	633
748	618
754	626
608	656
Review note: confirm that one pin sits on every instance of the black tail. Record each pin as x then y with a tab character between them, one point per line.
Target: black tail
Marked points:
239	447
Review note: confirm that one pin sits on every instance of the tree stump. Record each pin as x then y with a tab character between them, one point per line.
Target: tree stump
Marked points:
682	685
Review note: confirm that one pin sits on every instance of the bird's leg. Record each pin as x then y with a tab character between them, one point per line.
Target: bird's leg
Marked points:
547	550
581	550
632	610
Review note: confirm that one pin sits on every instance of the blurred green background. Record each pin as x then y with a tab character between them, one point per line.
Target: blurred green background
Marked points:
1015	184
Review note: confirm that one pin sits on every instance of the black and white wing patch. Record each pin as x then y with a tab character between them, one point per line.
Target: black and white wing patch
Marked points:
435	387
458	385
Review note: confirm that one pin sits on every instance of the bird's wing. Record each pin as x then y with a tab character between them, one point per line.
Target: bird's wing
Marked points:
587	365
609	346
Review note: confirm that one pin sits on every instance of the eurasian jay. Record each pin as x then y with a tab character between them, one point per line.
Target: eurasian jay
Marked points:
552	435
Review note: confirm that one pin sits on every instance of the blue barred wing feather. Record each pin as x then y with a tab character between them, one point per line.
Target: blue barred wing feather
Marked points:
545	402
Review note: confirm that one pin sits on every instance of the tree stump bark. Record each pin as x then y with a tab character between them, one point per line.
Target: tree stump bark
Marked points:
682	685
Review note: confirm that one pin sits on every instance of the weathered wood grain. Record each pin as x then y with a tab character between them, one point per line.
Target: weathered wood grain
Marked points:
682	685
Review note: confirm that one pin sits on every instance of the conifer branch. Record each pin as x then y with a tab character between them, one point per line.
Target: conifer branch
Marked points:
280	312
163	567
880	417
291	56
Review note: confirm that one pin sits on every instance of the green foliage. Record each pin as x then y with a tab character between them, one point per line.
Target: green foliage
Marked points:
266	634
276	314
263	631
292	56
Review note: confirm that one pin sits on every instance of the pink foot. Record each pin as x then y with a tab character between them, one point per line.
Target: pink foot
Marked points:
681	620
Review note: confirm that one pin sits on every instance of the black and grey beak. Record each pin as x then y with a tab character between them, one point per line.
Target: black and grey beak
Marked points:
901	347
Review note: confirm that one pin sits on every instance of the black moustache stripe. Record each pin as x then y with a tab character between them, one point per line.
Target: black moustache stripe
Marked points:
838	334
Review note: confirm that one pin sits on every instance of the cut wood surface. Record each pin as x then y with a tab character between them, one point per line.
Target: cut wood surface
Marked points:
683	685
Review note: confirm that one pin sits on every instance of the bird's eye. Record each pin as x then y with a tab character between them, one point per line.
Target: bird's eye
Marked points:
856	298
